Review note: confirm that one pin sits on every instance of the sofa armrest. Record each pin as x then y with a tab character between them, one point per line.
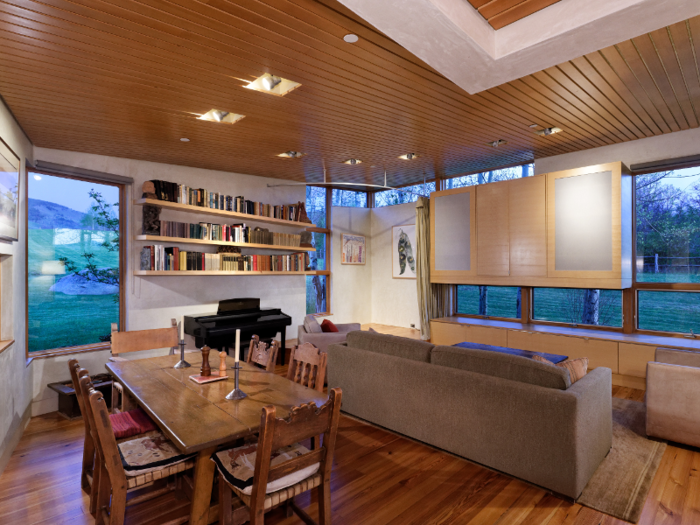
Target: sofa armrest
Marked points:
349	327
673	412
321	341
673	356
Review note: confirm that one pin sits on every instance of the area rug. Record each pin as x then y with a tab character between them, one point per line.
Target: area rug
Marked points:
621	483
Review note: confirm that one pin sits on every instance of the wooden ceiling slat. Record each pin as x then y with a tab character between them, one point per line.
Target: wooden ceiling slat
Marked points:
518	12
682	46
496	7
668	59
619	65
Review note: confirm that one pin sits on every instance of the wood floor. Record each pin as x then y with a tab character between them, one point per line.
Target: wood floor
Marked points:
378	478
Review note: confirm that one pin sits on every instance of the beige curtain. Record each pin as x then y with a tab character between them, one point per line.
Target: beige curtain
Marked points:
434	300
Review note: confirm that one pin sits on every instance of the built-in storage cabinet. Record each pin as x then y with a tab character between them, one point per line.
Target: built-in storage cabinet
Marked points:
570	229
450	334
634	359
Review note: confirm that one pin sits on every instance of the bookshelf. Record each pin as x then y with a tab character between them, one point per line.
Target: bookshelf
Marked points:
214	272
167	205
181	240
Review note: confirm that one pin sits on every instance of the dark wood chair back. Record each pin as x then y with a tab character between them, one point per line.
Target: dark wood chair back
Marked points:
86	476
307	366
304	422
260	354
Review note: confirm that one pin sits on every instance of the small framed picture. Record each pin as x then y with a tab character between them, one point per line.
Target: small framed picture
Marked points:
9	193
353	249
403	251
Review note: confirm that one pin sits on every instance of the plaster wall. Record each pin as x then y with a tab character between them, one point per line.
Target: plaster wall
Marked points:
351	286
15	376
152	302
394	301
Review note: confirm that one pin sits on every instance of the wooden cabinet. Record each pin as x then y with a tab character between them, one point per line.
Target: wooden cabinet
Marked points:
449	334
634	359
598	352
527	227
492	245
453	235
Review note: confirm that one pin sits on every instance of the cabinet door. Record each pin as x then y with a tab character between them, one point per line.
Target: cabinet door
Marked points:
453	235
493	247
634	359
449	334
527	225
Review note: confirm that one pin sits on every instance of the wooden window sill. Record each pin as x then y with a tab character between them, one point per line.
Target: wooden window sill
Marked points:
98	347
4	345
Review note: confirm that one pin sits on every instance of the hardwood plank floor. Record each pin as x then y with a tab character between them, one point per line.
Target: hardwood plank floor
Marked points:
379	478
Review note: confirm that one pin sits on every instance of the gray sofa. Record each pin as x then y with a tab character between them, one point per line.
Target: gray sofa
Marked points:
509	413
310	332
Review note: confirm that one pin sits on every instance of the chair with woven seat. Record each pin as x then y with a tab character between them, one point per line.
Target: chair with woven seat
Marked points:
282	467
261	354
307	366
129	465
138	341
126	424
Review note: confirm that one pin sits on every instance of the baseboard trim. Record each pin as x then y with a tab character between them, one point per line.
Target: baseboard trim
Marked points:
14	435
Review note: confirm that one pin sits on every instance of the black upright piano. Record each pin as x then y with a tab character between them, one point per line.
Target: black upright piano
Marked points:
219	330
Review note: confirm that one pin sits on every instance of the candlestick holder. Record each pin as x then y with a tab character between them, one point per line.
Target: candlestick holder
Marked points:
236	393
182	363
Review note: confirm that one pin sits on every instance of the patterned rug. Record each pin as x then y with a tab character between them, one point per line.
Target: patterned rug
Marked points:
620	485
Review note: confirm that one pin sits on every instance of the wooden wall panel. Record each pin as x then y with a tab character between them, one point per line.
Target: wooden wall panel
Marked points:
528	227
492	244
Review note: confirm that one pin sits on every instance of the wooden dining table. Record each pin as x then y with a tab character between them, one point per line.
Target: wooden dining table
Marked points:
199	418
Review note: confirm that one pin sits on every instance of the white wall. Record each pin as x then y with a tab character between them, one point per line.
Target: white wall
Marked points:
669	146
15	377
152	301
351	286
394	301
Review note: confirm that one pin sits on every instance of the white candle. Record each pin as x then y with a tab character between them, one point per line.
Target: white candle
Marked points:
182	329
238	344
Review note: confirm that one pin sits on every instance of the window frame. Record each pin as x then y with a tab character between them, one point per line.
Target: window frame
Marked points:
123	246
493	317
334	188
329	253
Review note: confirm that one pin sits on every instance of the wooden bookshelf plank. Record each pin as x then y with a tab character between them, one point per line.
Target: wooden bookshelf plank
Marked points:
180	240
221	213
187	273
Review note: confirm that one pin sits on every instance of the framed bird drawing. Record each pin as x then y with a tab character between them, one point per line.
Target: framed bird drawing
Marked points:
403	251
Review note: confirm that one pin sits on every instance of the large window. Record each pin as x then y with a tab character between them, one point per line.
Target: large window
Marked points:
73	254
517	172
578	306
349	198
391	197
317	286
489	301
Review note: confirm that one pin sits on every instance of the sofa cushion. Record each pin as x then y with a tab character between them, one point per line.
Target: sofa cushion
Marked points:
391	345
577	367
482	359
311	325
328	326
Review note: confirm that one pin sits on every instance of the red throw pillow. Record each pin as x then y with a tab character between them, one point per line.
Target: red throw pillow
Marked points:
328	326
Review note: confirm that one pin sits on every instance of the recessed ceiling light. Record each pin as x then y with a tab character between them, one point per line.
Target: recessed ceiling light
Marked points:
549	131
219	115
409	156
534	125
352	161
351	38
273	85
183	139
496	143
291	154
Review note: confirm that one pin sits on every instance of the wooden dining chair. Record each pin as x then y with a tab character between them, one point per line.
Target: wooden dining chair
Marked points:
130	465
86	474
261	354
138	341
307	366
283	469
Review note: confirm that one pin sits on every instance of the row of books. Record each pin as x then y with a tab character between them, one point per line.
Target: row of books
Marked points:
160	258
173	192
229	233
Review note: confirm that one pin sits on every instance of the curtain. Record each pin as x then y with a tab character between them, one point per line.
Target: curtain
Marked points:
434	300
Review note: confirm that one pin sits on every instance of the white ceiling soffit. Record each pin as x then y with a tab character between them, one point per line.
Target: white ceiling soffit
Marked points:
452	37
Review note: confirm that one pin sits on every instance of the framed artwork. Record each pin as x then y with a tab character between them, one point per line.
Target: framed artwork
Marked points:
403	246
353	249
9	193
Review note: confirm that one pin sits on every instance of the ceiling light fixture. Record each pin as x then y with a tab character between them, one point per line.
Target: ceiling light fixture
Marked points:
409	156
218	115
496	143
183	139
352	162
351	38
291	154
549	131
272	85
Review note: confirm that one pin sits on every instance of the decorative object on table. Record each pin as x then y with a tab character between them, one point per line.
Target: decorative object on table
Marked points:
403	244
206	369
150	220
205	373
10	166
353	249
306	238
222	365
237	393
182	363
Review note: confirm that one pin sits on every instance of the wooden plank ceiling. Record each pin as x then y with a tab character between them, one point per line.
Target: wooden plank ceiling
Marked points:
127	78
500	13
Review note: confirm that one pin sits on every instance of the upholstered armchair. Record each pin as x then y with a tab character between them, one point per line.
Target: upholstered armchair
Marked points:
673	396
310	332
